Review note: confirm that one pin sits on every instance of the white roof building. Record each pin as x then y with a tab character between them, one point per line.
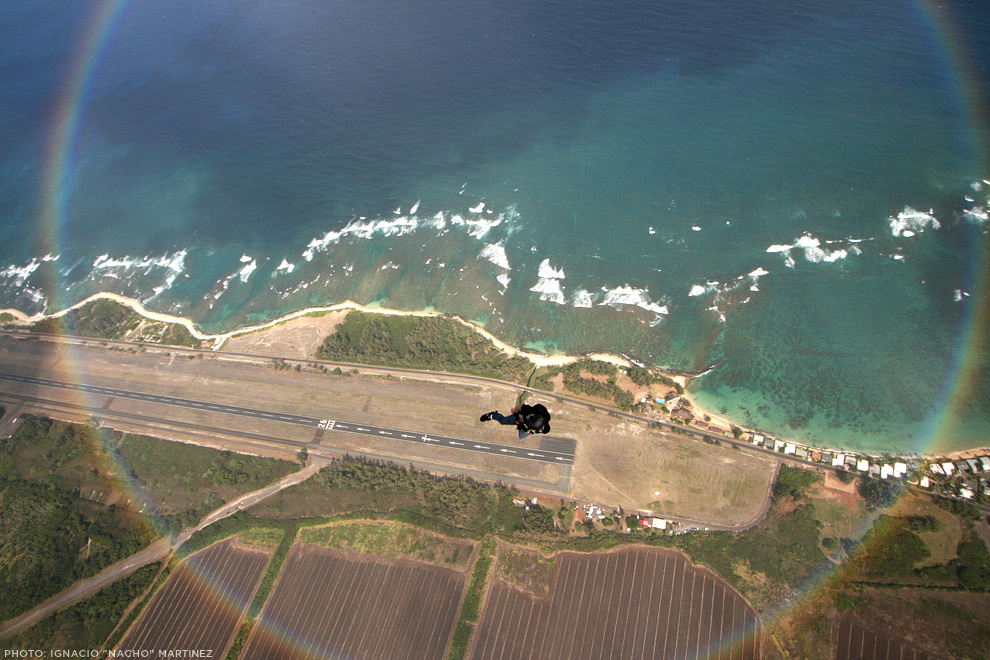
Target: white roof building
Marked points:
937	469
966	493
863	465
777	445
838	460
790	448
925	482
900	469
949	468
886	471
985	463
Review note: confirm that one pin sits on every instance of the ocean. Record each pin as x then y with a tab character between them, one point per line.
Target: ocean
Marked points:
788	198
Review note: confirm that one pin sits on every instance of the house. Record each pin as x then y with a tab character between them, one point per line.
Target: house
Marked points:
801	453
949	468
683	413
961	466
985	463
790	448
936	468
886	471
839	460
974	465
966	493
778	445
900	469
852	462
863	465
757	439
875	470
925	482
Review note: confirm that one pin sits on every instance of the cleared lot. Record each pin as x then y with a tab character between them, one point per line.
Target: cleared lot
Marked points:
629	603
201	603
329	603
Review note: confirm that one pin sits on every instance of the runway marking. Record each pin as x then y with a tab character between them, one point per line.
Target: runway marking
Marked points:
508	451
480	447
451	442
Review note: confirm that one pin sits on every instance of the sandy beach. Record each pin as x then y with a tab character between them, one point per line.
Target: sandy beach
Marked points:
218	339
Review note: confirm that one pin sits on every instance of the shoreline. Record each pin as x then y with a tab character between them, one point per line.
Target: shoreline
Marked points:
538	359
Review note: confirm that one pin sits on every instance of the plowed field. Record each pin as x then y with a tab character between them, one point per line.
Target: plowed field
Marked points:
631	603
329	603
855	642
201	603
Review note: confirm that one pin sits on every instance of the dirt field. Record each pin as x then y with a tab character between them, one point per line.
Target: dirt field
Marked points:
855	642
332	604
201	604
629	464
298	338
628	603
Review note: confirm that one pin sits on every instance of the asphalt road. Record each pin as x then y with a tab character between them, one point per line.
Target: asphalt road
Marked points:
540	455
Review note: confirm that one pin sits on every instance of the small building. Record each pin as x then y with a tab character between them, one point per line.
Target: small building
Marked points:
757	439
966	493
925	482
852	462
816	455
863	465
985	463
683	413
801	453
886	471
654	523
790	448
875	470
778	445
961	466
839	460
900	469
949	468
974	465
936	469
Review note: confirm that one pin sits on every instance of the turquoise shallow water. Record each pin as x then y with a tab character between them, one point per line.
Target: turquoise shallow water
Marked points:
790	199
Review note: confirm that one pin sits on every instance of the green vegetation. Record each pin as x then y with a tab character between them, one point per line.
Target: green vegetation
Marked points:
878	493
186	481
6	317
890	551
592	377
88	623
107	319
102	319
51	537
468	617
390	539
434	343
456	506
793	482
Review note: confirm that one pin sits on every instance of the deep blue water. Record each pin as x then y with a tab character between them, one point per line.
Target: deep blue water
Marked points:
635	161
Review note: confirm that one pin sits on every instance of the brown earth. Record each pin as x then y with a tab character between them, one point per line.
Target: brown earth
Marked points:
626	603
201	604
331	603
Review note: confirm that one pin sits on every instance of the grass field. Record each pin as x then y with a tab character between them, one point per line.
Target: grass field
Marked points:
391	539
525	569
184	482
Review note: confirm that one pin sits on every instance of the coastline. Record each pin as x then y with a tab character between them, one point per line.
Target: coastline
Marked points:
538	359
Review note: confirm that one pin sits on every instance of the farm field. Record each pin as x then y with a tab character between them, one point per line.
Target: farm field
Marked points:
201	604
629	603
329	603
855	642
